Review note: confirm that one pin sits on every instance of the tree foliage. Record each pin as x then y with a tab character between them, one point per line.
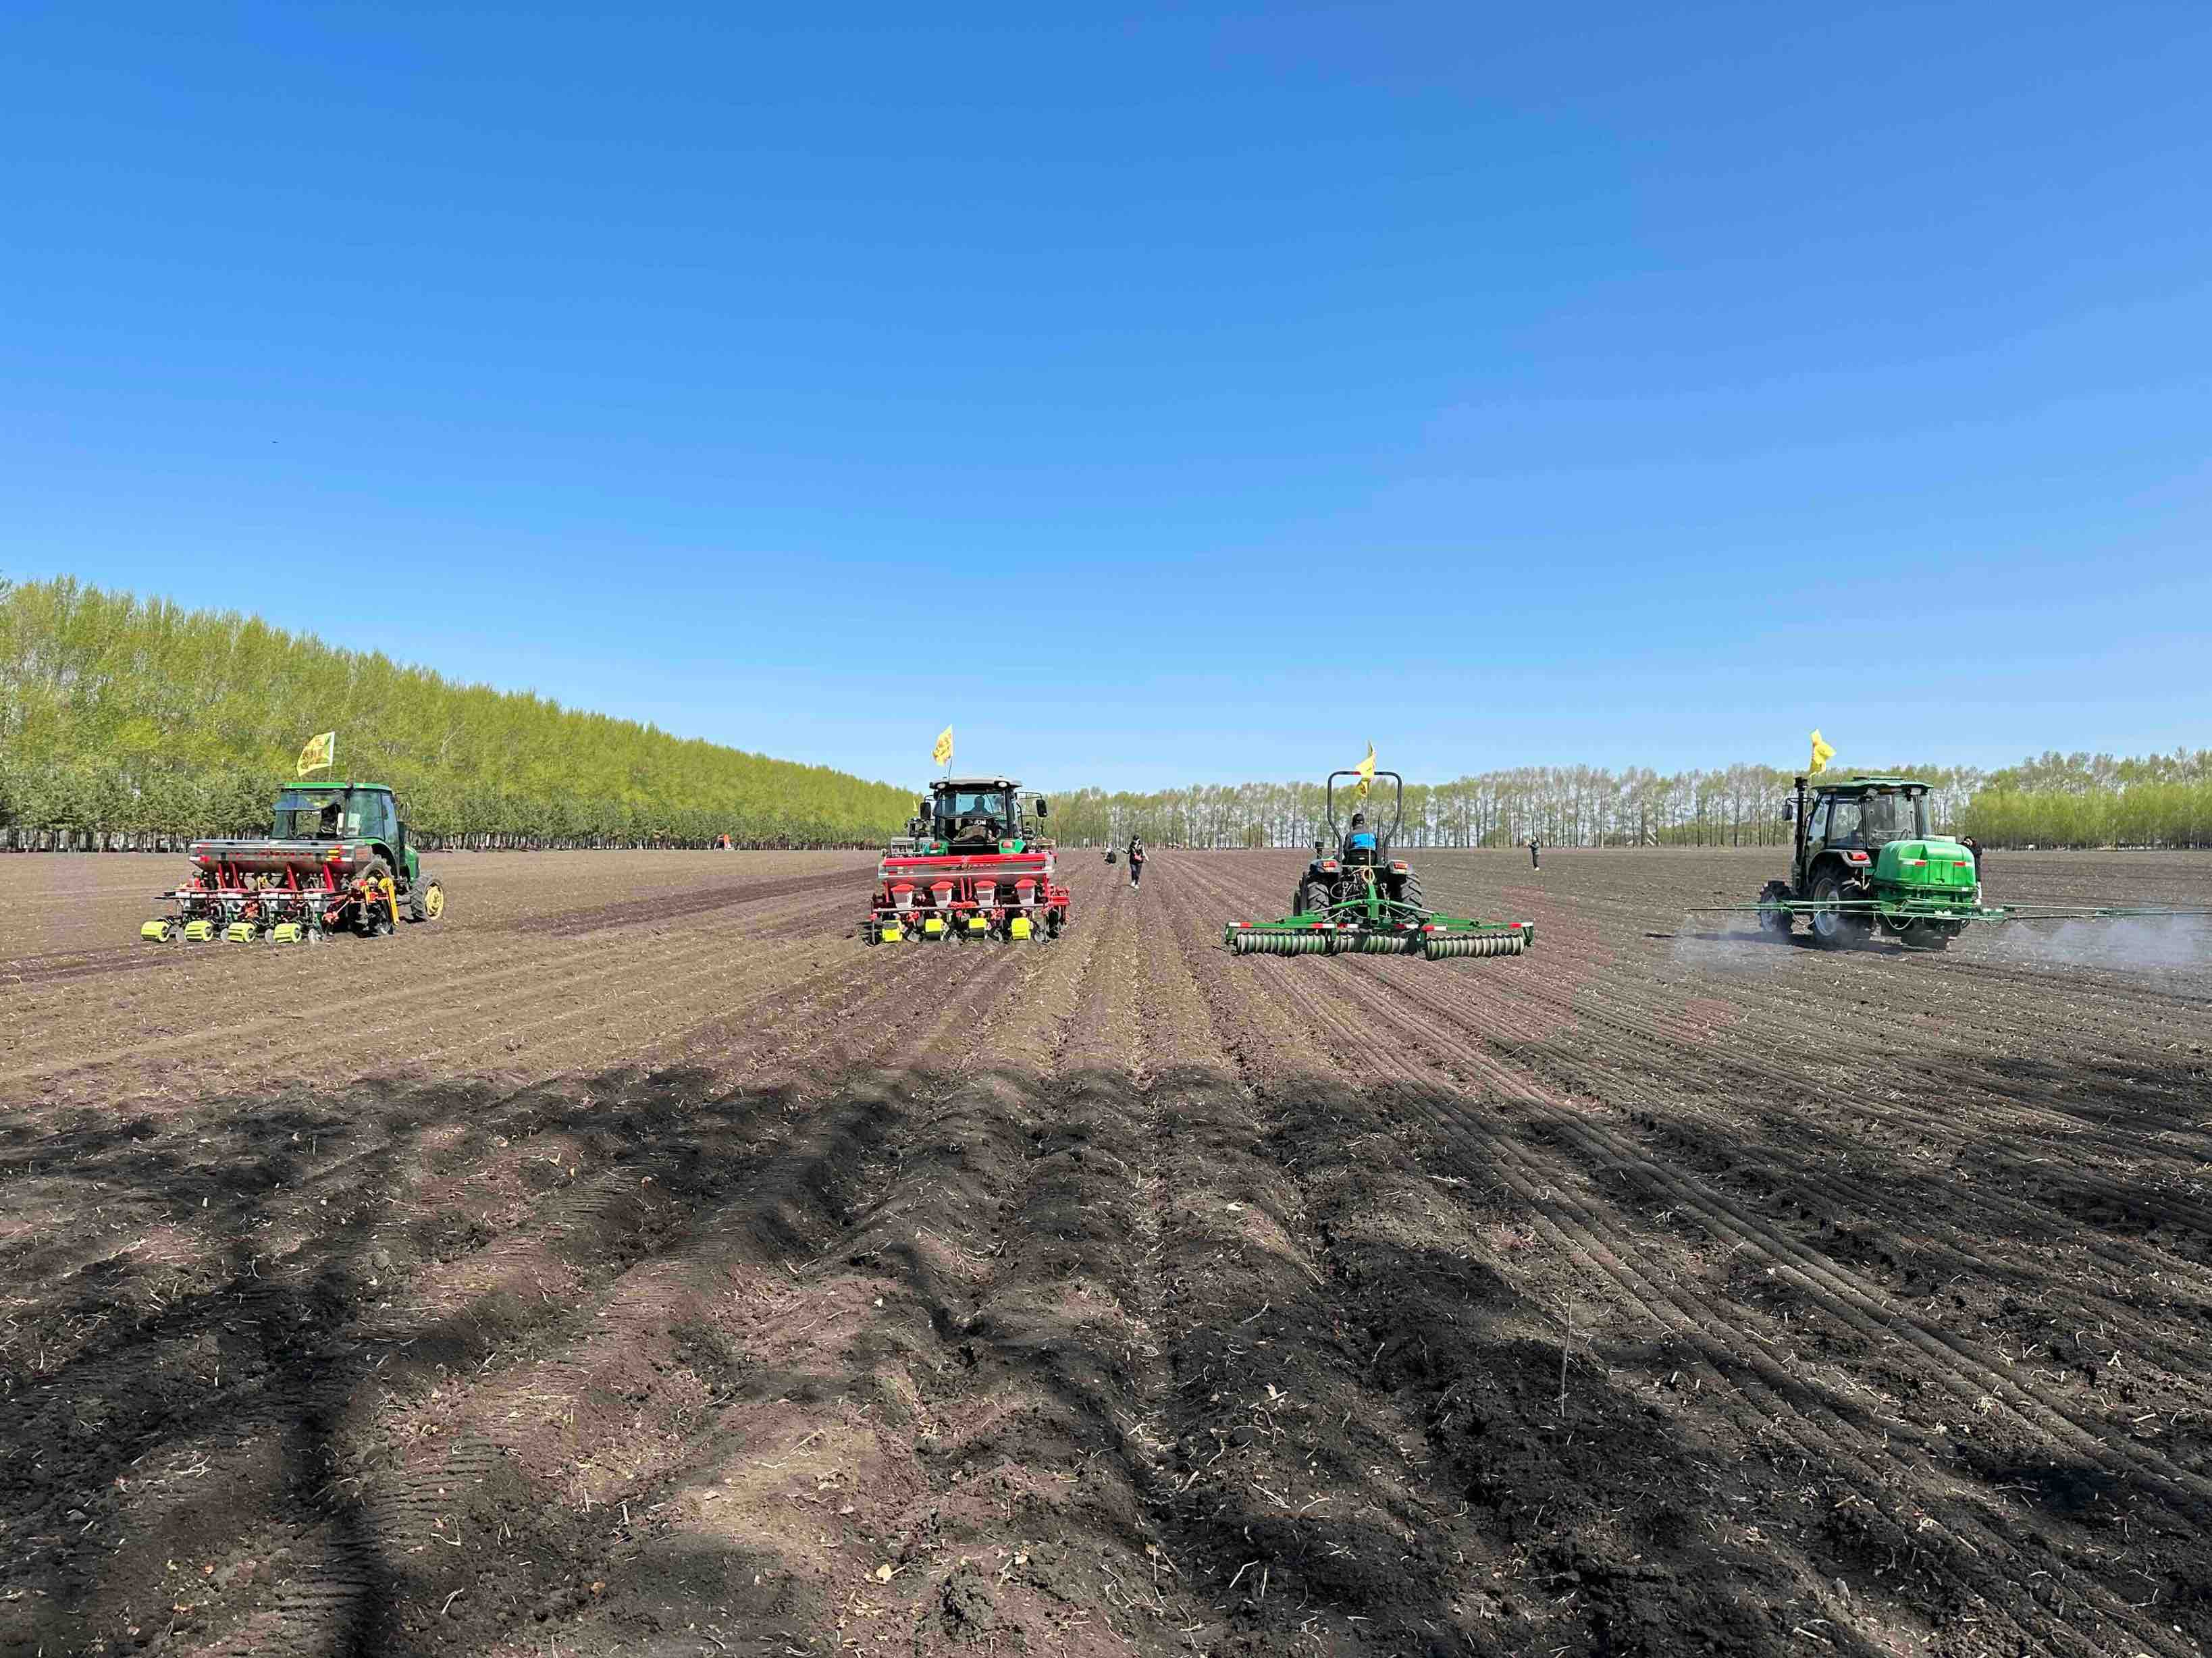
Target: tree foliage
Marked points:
122	714
2070	800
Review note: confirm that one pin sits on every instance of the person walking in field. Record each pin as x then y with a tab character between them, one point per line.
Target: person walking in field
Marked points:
1532	864
1136	861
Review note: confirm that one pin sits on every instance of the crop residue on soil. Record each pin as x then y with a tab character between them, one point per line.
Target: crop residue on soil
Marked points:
640	1264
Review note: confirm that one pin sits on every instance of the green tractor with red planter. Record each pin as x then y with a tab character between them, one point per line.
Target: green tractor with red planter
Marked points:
338	859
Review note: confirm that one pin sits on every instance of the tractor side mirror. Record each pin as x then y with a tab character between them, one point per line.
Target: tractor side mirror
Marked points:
1044	806
1789	814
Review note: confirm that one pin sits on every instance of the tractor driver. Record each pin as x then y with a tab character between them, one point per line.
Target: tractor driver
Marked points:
1359	841
328	825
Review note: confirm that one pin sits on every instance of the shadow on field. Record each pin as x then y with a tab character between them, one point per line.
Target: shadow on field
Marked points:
1217	1372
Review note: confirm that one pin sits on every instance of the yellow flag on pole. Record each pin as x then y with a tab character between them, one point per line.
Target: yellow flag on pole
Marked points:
943	752
1367	772
320	754
1823	752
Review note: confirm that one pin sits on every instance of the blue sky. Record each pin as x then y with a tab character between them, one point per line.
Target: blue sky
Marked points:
1155	397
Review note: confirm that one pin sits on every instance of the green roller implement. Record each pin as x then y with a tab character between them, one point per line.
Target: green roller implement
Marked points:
1865	864
1360	900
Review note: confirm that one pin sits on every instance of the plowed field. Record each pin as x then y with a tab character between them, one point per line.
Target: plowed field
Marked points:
632	1262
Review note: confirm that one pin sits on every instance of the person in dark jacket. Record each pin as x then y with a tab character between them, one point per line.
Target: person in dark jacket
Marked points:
1532	864
1975	847
1136	860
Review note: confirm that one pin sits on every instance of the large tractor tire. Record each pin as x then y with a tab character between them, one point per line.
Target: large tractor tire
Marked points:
1409	892
1314	897
426	899
1833	929
1926	935
375	915
1777	923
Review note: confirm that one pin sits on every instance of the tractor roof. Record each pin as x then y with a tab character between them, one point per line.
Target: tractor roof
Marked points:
945	783
334	784
1846	785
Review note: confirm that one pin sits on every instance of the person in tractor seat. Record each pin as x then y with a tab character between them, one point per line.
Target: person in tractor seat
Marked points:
1359	843
328	826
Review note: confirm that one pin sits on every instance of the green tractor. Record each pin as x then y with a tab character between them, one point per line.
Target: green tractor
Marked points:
1864	860
1864	864
1359	899
337	858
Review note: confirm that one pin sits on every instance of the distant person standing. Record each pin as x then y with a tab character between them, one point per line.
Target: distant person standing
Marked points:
1136	862
1532	864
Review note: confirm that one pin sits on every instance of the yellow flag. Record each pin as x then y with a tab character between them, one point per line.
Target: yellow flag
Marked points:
943	752
1823	752
1366	773
320	754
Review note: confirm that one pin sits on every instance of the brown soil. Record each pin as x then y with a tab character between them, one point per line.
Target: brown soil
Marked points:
632	1262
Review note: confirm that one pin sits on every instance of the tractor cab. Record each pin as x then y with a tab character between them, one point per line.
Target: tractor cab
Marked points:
977	814
346	813
1849	822
336	811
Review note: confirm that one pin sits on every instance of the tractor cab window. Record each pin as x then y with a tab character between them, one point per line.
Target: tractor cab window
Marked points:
312	814
974	805
1844	823
371	809
1816	827
1895	817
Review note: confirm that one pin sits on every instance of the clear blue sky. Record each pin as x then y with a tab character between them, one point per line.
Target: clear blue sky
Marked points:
1153	396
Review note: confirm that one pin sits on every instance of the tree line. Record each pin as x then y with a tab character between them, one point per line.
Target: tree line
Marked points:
140	722
2051	800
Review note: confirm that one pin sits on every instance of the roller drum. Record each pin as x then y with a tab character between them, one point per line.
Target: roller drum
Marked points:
1441	946
1281	943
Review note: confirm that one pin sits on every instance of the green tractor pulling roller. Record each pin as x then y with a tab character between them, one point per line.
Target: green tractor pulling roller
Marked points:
337	858
1359	899
1864	862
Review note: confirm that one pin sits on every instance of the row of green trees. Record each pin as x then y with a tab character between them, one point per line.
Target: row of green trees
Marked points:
136	718
2053	800
129	717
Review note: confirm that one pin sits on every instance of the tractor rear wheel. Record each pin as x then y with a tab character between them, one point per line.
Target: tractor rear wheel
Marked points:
1409	892
1313	898
1779	922
1836	929
375	917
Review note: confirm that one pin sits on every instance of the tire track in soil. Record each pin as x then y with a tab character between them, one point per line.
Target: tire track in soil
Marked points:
636	1324
1789	1406
1405	1291
316	1409
1598	1071
1545	1187
645	962
489	964
903	1398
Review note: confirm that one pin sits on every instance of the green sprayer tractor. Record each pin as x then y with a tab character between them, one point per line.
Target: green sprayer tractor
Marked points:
1356	898
337	859
1864	863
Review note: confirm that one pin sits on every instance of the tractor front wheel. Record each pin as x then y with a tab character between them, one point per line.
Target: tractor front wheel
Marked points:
1927	935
